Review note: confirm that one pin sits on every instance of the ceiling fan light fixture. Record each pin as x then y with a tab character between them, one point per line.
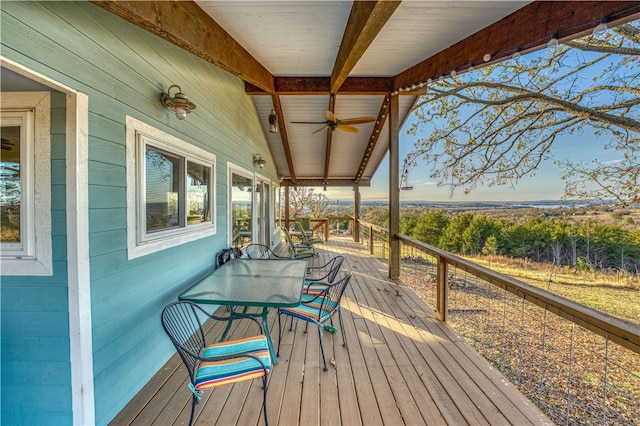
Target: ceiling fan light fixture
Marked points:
332	123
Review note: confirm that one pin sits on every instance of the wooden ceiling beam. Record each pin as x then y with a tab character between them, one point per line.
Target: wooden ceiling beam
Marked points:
321	182
282	128
529	29
186	25
366	20
322	86
375	134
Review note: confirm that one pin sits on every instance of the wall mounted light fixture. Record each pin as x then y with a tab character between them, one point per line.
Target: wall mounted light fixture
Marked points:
273	122
179	103
259	161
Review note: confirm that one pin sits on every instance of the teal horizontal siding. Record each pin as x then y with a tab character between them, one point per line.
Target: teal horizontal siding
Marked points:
107	197
34	348
123	70
107	219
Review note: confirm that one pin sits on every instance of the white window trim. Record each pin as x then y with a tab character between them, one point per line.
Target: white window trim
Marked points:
78	271
234	168
275	231
37	203
137	242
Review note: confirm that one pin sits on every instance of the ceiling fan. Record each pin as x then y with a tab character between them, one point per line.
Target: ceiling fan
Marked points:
333	123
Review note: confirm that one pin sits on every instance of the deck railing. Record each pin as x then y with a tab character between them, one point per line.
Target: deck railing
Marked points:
577	364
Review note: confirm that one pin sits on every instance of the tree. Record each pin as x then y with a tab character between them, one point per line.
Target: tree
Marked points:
490	246
318	204
476	234
304	200
452	237
429	227
377	216
497	125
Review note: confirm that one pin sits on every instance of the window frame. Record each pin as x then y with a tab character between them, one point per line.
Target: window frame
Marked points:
139	241
34	256
240	171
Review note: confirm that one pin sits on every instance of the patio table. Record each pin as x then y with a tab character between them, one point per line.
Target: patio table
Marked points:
251	282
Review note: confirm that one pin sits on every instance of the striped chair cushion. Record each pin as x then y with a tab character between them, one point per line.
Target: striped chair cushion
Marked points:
313	287
308	312
216	373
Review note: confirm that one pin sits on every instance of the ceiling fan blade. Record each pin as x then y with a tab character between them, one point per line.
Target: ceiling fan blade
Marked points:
308	122
330	116
347	128
320	129
359	120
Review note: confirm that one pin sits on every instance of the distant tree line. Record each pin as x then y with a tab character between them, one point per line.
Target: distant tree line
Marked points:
586	246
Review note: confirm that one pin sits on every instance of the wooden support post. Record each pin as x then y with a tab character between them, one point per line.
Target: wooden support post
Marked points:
356	213
442	290
371	240
394	187
326	230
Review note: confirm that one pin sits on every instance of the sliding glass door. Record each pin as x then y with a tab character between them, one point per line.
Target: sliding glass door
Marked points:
251	210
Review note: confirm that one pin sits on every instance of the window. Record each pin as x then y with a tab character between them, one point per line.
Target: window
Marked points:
170	190
241	203
25	185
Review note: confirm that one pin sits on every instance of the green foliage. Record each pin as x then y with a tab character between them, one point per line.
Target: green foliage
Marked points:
429	228
490	246
453	238
584	246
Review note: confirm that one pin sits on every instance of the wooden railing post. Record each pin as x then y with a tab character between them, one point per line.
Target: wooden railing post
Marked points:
326	229
356	214
442	289
370	239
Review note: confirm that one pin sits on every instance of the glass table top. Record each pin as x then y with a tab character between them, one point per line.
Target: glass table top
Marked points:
251	282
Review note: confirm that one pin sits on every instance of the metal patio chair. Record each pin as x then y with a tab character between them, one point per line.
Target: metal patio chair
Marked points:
260	251
215	364
319	309
298	250
305	235
319	276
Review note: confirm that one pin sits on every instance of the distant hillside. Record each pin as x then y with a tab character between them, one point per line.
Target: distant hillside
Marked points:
628	217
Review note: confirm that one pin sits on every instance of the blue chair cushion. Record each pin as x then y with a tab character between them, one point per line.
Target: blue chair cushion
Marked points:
215	373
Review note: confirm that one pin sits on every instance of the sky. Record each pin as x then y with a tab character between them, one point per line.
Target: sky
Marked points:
546	184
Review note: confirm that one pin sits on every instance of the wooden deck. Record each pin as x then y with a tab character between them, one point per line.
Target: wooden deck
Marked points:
400	366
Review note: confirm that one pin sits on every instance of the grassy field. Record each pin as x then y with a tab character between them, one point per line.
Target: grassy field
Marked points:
615	294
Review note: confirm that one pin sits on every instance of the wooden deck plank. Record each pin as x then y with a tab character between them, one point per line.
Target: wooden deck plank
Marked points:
353	362
400	366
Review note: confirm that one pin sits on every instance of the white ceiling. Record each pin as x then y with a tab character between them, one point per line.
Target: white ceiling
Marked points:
302	39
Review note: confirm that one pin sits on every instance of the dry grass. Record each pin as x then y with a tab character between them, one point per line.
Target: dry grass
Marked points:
613	293
573	375
9	235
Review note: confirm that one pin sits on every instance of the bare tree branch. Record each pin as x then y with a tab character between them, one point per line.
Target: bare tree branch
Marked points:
498	125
